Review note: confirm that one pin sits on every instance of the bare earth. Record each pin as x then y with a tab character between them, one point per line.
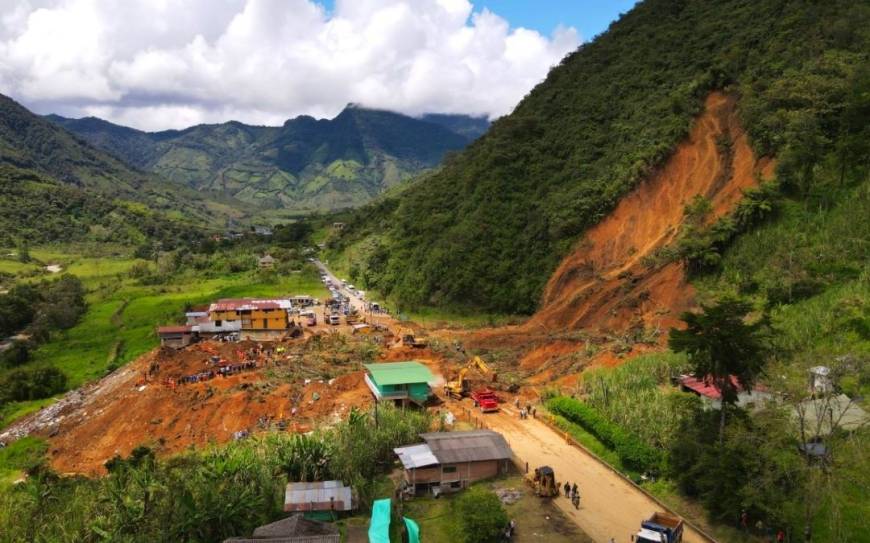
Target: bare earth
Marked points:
609	506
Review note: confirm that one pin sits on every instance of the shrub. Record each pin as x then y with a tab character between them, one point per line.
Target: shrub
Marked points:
31	384
633	453
480	516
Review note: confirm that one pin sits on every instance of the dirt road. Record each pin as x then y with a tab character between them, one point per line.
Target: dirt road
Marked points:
609	506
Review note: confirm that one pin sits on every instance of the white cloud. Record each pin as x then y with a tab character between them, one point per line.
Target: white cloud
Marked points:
166	63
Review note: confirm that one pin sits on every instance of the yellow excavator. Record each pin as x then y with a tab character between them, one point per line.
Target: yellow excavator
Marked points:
460	387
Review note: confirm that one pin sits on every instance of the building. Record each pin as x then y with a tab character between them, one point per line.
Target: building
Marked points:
400	382
293	529
318	496
302	300
176	337
711	396
338	226
267	262
450	461
823	414
197	314
258	318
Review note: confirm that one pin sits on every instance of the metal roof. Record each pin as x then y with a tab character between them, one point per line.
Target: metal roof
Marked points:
416	456
246	304
398	373
174	329
318	496
471	446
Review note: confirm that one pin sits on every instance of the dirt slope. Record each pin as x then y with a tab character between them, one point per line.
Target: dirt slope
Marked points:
606	286
604	283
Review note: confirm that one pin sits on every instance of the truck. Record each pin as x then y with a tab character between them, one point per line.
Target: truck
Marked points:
660	528
308	317
485	399
334	319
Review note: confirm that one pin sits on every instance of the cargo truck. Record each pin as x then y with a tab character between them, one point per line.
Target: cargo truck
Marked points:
660	528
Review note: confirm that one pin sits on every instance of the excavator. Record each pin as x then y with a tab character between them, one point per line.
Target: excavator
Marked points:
460	387
544	482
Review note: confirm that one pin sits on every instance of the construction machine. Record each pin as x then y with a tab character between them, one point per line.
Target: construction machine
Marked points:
460	387
411	339
544	482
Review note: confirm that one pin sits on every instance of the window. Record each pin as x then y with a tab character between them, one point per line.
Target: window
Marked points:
218	323
265	323
449	469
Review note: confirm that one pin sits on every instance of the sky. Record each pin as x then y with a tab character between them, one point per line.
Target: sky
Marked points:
158	64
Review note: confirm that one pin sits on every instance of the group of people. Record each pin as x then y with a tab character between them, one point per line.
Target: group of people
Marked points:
222	371
526	410
573	493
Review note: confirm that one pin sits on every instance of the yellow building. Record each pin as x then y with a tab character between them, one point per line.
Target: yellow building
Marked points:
256	315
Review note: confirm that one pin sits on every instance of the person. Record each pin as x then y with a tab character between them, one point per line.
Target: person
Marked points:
534	410
574	490
780	537
517	403
567	488
744	520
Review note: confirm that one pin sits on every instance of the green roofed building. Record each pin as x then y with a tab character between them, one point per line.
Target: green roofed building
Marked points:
400	382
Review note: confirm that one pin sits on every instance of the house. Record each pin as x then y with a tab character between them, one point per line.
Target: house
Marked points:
712	398
302	300
318	496
197	314
338	226
176	337
824	413
261	318
400	382
450	461
267	262
293	529
209	329
262	231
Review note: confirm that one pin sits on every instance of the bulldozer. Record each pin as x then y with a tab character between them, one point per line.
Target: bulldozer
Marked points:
411	339
544	482
461	386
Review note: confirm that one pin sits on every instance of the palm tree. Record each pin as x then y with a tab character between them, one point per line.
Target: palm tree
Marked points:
720	343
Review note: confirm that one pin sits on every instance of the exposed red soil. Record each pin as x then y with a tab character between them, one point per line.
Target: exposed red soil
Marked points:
607	285
141	410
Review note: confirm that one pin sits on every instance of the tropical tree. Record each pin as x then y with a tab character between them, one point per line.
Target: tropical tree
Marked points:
720	343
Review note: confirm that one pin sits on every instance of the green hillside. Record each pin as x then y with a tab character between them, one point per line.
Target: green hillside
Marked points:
487	230
305	165
58	188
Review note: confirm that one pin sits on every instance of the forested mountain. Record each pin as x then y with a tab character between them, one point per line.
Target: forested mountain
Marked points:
57	187
489	228
304	165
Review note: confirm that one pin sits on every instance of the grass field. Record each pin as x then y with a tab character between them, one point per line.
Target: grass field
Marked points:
122	316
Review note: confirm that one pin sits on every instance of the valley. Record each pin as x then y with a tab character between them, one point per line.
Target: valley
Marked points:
647	279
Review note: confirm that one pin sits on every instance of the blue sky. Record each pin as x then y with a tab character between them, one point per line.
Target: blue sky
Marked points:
589	17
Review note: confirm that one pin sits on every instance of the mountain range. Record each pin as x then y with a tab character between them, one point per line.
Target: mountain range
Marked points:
303	166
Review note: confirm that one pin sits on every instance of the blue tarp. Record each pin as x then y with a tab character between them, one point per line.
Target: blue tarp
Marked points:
413	530
379	527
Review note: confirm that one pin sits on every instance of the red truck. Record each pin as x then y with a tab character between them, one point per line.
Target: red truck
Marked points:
485	399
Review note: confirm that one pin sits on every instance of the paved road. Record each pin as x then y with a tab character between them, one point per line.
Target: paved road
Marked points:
355	301
609	506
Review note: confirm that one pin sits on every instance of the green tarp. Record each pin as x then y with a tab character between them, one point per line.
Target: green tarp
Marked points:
379	527
413	530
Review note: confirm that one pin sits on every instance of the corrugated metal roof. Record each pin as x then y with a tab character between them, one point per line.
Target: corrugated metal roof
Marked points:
174	329
398	373
318	496
416	456
246	304
471	446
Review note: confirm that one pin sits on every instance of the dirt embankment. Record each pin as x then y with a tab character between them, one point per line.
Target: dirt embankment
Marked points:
607	285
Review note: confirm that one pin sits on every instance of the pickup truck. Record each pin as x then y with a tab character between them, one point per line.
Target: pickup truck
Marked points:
485	399
660	528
